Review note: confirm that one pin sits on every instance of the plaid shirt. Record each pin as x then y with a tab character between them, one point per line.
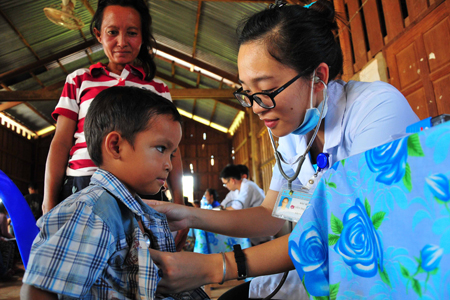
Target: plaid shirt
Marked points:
91	247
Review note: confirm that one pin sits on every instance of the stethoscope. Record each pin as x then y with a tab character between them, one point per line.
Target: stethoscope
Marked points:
324	159
321	163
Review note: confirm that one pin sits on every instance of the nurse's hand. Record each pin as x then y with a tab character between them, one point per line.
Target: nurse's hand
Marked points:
177	215
184	271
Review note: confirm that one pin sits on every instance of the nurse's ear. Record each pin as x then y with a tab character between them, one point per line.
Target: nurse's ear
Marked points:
322	72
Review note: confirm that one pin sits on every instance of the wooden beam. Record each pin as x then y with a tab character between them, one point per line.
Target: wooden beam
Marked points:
180	94
37	80
240	1
88	6
10	23
30	67
197	23
196	62
39	95
213	111
188	86
7	105
50	121
177	94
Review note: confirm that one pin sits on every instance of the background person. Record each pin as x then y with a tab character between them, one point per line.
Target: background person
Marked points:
212	197
231	198
123	27
34	200
288	54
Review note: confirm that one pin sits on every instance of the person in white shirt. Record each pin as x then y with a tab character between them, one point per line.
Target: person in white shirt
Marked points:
231	198
289	61
249	194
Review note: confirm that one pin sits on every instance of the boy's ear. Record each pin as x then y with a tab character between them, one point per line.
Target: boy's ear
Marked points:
112	145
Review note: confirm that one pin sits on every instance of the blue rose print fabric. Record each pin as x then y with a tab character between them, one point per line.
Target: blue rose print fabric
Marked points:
378	224
209	243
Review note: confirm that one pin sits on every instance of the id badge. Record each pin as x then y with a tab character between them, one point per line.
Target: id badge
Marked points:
291	203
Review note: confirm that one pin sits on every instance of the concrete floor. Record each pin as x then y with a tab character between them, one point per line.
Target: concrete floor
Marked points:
10	289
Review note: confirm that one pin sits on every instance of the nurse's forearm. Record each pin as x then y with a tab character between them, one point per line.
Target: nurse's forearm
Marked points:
250	222
268	258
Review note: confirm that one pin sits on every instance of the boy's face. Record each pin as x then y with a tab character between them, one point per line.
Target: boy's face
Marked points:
146	167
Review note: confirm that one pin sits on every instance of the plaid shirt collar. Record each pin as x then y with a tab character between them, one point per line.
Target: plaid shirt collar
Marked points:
113	185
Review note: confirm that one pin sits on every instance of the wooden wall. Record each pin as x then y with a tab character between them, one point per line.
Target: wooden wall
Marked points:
414	37
198	152
21	159
252	148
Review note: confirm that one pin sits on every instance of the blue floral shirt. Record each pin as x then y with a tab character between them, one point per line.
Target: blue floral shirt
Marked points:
378	224
91	247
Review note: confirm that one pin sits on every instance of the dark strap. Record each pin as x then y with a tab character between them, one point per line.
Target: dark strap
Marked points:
239	256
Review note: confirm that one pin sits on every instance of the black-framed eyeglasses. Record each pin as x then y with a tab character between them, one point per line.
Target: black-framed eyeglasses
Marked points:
225	184
265	100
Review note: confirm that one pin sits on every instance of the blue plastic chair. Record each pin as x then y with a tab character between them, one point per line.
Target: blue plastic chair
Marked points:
22	218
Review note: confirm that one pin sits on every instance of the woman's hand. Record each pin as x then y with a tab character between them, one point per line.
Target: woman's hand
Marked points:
177	215
184	271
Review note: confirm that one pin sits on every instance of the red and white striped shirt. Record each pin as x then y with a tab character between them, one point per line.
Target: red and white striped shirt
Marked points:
80	89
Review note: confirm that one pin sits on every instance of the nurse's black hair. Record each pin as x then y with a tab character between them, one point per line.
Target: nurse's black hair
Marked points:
145	56
298	37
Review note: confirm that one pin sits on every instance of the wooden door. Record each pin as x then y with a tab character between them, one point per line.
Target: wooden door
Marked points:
419	63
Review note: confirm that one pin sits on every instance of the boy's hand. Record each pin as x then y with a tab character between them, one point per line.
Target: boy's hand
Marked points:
177	215
184	271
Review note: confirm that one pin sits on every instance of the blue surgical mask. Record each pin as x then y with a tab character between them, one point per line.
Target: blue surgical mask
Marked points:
312	115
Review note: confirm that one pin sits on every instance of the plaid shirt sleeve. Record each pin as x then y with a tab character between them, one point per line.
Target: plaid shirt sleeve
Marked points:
71	251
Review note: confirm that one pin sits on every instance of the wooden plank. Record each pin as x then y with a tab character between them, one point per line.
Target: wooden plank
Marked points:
197	24
344	40
415	8
359	43
30	67
393	18
373	27
177	94
196	62
7	105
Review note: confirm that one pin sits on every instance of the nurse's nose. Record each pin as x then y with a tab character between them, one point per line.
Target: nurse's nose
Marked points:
257	109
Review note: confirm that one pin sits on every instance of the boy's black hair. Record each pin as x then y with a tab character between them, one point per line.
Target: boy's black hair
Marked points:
231	171
126	110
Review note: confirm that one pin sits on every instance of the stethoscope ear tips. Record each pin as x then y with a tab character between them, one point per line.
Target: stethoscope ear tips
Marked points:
316	79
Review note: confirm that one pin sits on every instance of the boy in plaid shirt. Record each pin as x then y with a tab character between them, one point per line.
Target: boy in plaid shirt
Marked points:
94	245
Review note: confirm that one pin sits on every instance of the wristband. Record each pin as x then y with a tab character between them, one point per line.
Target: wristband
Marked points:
239	256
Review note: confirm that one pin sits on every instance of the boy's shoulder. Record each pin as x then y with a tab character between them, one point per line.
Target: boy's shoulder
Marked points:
88	200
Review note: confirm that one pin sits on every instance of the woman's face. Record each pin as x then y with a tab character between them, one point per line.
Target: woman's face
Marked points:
208	196
260	72
120	36
285	202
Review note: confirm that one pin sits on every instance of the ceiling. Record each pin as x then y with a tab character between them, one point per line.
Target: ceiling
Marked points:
196	57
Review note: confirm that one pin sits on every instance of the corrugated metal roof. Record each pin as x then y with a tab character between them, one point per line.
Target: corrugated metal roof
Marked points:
173	25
